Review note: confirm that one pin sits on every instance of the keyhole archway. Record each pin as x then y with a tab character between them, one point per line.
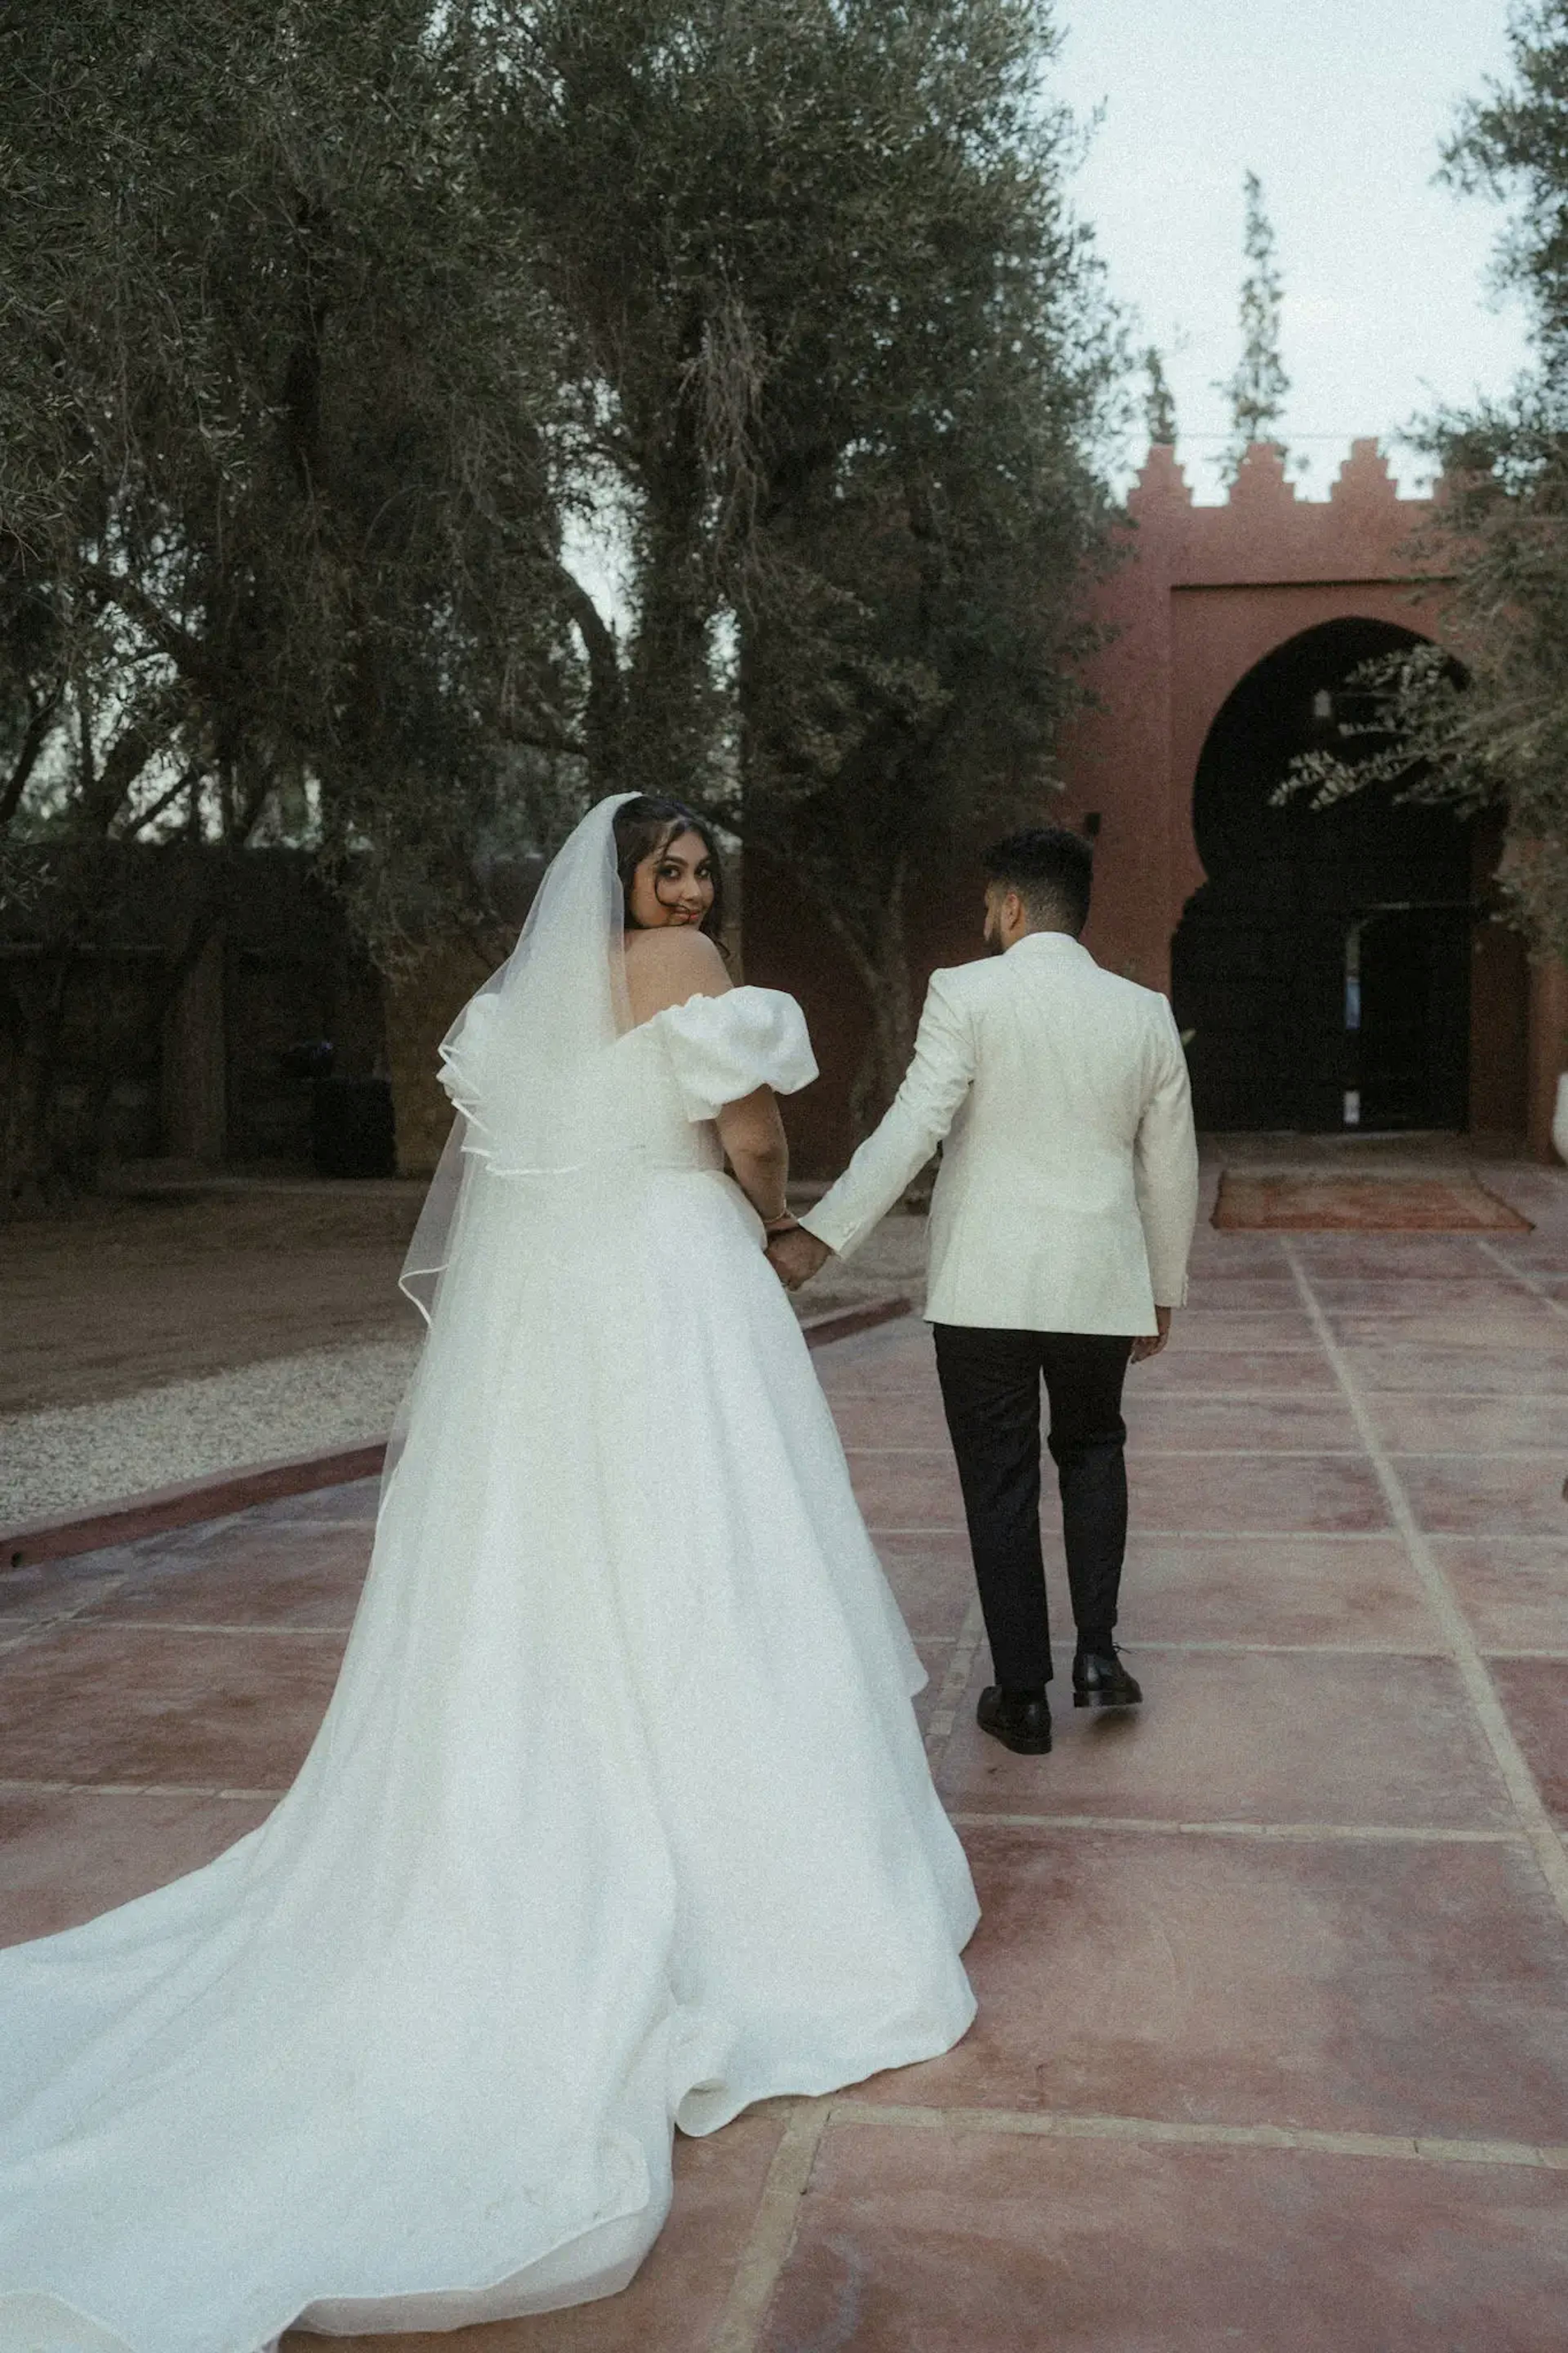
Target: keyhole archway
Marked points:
1323	970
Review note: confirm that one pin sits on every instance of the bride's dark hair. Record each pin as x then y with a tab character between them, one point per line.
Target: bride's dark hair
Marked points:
645	828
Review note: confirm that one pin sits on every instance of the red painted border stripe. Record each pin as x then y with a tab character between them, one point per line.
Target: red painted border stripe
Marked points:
823	1330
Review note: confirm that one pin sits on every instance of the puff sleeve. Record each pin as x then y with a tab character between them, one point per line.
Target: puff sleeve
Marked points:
722	1047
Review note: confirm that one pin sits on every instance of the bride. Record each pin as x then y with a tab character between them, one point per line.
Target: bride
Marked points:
618	1818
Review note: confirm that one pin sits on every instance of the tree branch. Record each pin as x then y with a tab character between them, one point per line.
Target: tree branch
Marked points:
27	759
181	784
186	652
606	686
539	738
127	755
599	637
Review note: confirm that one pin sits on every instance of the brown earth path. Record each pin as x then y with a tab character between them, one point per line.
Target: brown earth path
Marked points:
1272	2050
134	1288
165	1281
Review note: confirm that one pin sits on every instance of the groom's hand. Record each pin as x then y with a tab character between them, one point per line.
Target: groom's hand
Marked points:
796	1256
1149	1343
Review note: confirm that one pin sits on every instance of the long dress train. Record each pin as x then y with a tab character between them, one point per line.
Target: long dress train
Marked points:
618	1815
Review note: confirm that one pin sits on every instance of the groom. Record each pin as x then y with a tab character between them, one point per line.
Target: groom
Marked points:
1059	1230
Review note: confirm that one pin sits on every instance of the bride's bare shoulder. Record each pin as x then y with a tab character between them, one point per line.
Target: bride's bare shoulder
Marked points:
665	968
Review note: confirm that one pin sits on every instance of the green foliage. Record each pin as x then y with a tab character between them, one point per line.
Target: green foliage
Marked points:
1256	390
915	514
328	334
1499	736
1512	144
276	519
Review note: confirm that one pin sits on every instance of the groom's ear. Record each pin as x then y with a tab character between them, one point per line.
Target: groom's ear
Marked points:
1012	917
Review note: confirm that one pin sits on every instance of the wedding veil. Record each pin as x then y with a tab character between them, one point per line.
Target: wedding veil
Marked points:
525	1062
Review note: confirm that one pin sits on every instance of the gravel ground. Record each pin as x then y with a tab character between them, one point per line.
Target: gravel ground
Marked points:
105	1313
68	1457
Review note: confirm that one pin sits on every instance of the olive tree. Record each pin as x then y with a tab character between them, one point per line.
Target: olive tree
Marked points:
841	357
1496	733
279	508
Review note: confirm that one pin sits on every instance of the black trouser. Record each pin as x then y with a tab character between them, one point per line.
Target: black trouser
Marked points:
991	1389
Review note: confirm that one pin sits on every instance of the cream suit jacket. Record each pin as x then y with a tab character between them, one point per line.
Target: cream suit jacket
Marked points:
1068	1183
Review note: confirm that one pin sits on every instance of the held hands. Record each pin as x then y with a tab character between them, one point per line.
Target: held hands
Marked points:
1150	1344
795	1256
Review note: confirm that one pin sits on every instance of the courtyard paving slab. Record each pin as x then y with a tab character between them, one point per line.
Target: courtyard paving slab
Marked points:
1272	2050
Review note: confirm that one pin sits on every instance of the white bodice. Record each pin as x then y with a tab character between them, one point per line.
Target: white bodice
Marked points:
677	1070
648	1100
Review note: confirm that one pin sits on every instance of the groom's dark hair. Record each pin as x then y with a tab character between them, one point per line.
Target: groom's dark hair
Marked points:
1051	869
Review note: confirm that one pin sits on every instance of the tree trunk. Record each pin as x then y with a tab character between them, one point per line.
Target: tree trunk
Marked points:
605	719
883	964
204	924
670	698
34	1026
670	693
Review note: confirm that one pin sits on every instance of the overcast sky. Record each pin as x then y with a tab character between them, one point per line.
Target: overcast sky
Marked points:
1340	106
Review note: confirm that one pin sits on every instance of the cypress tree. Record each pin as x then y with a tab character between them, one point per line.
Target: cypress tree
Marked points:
1159	400
1258	388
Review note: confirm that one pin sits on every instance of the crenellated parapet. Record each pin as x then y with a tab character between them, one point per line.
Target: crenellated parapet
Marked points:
1364	481
1162	483
1265	532
1203	594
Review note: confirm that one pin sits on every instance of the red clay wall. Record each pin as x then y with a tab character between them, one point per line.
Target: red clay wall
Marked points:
1202	596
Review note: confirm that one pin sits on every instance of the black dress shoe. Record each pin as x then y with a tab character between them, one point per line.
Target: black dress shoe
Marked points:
1099	1680
1020	1720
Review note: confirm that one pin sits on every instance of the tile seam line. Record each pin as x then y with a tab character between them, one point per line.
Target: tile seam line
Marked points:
57	1620
770	2239
1227	1536
943	1723
1388	1536
945	1453
1550	1453
1470	1453
1479	1688
1133	1825
1430	1649
1063	2124
1428	1389
1533	1284
1293	1833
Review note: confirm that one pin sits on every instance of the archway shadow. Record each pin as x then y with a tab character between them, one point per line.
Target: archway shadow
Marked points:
1323	970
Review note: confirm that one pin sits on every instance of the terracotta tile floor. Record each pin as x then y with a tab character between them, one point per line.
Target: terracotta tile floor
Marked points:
1273	2043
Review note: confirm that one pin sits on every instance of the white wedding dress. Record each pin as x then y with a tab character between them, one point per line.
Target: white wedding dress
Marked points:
618	1816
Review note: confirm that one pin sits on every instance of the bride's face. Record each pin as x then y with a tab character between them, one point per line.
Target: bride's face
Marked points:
675	885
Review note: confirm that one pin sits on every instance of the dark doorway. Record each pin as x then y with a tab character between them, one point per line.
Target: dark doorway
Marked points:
1323	968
